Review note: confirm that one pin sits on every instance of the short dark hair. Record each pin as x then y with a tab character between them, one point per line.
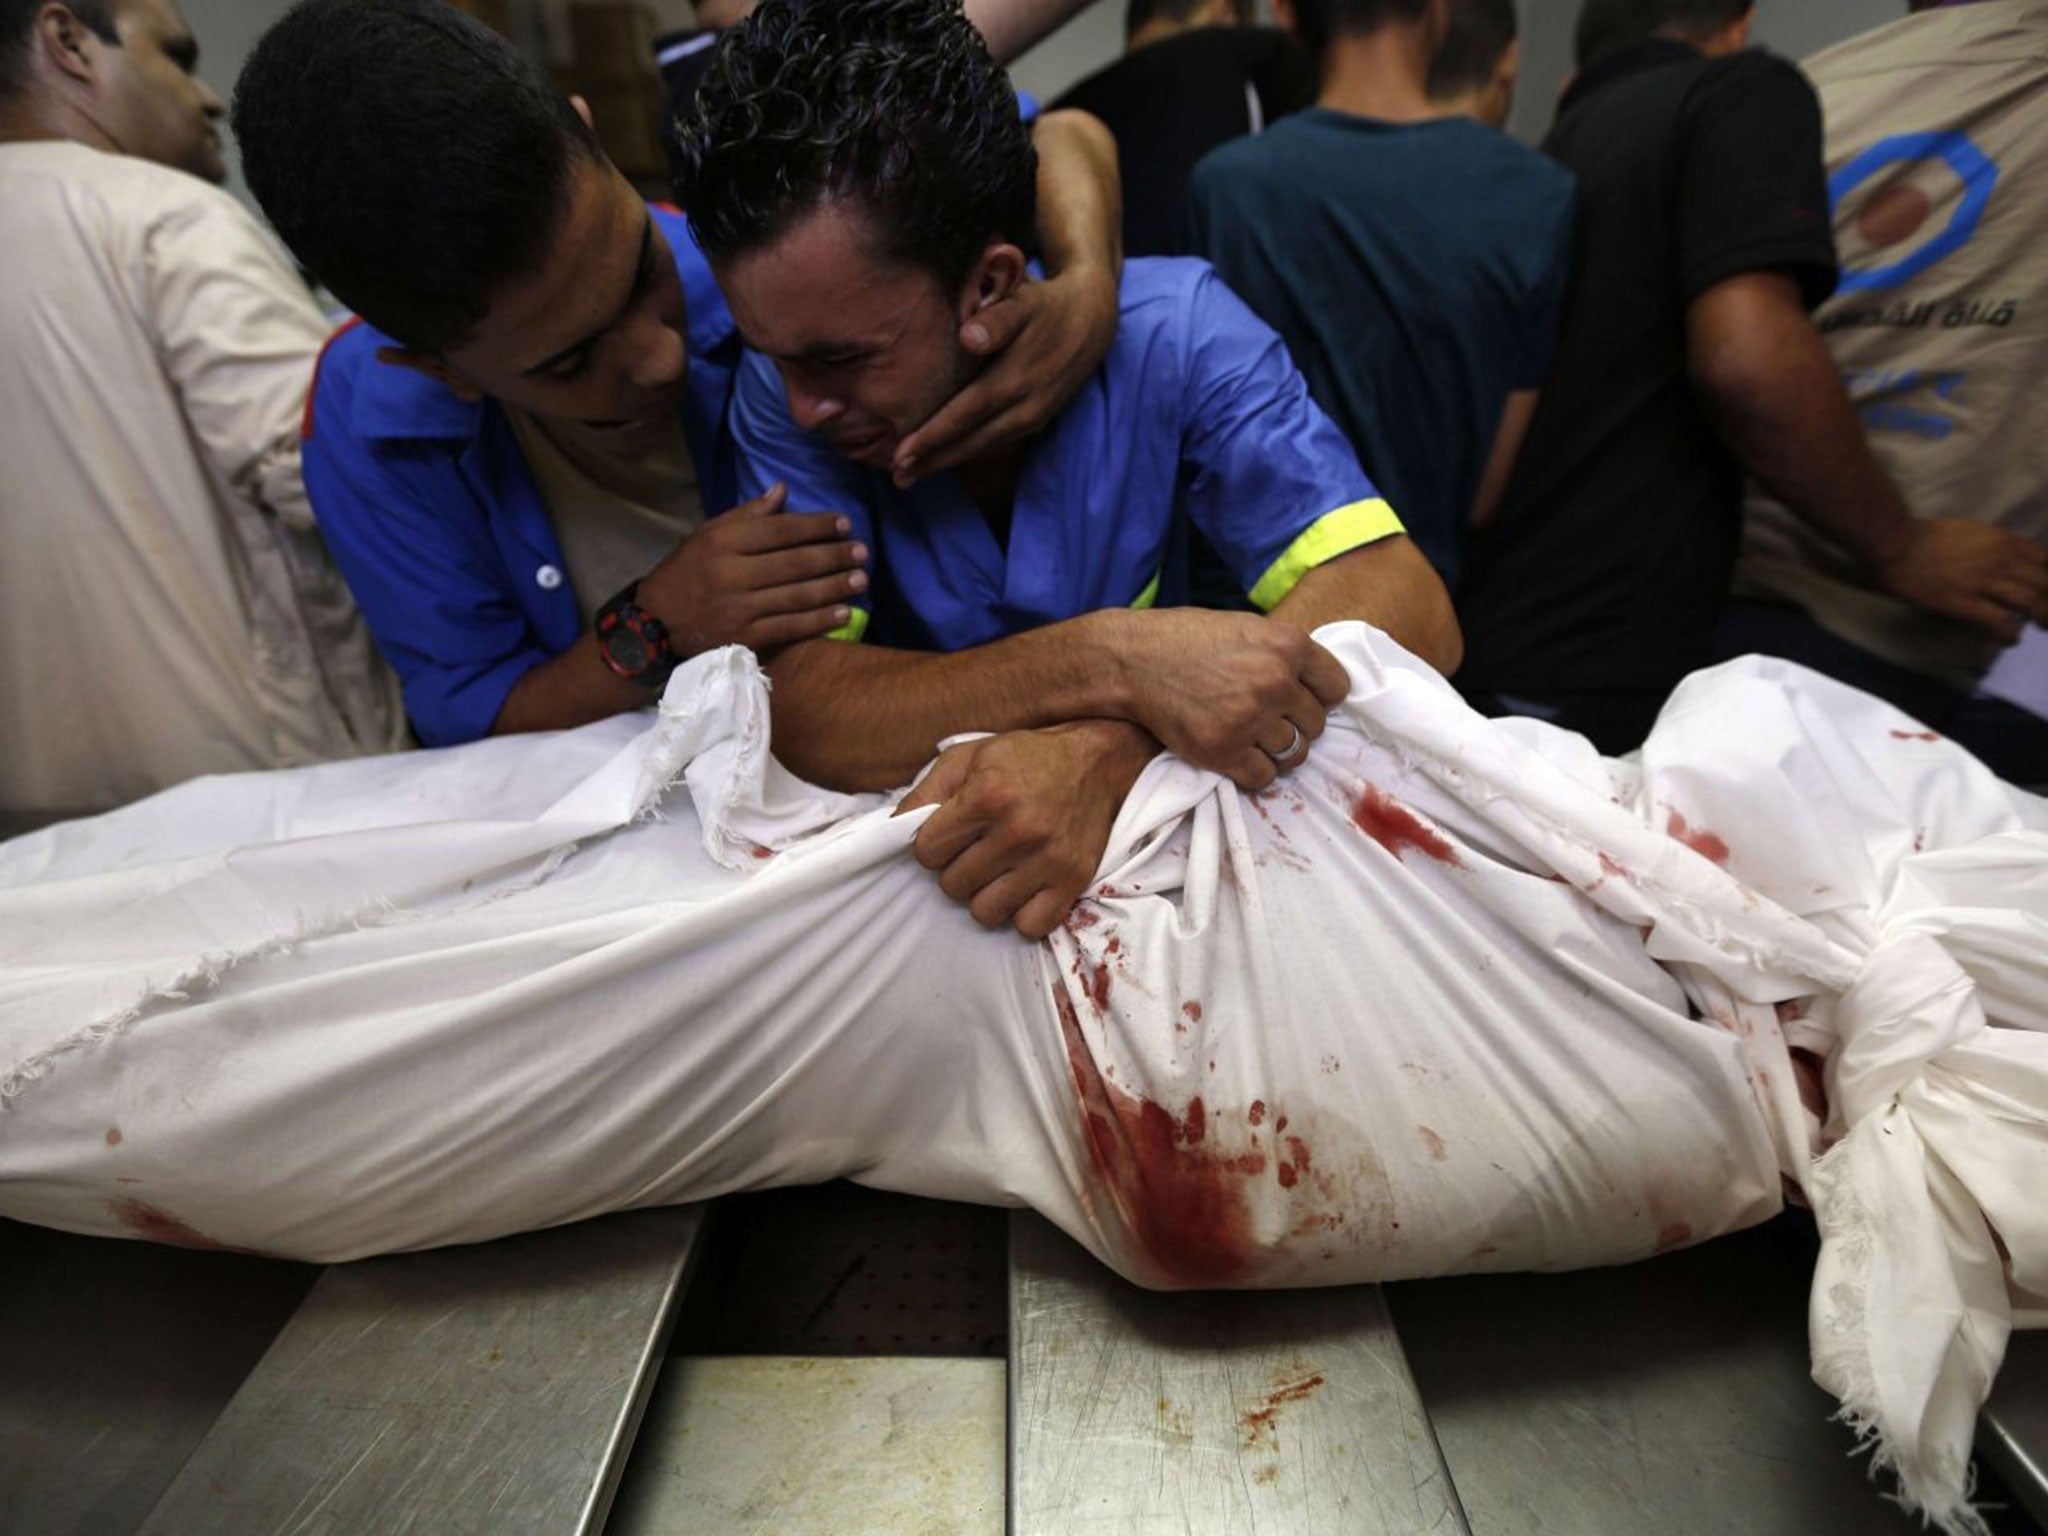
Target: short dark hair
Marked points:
17	19
892	104
1479	34
1605	25
412	158
1317	21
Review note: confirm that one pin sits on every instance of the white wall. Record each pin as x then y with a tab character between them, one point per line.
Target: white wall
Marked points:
228	29
1092	39
1794	28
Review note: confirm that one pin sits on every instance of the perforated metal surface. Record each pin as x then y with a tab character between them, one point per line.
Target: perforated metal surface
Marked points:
840	1270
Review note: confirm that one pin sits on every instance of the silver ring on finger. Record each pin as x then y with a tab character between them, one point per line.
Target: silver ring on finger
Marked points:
1293	745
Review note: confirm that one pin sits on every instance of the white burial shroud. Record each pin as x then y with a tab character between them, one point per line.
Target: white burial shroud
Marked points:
1456	995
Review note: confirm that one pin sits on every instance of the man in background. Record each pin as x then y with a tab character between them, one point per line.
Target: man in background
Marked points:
167	608
1413	258
682	56
1686	359
1196	74
1937	155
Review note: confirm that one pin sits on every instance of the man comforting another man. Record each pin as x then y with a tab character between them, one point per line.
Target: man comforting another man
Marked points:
514	457
865	189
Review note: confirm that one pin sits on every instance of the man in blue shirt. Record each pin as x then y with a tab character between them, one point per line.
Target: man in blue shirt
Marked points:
1013	595
1414	259
513	466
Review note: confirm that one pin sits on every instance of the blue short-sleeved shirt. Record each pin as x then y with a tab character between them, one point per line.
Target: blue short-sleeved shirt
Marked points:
426	501
1196	416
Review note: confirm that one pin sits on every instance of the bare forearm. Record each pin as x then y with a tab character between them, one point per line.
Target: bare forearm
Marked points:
1389	584
859	717
1774	393
572	689
1080	194
1771	387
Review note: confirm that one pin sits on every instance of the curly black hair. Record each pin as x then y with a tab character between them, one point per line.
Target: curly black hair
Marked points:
412	158
892	104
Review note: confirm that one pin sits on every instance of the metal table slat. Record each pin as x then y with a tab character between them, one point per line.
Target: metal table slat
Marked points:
489	1389
1672	1395
1134	1412
2013	1433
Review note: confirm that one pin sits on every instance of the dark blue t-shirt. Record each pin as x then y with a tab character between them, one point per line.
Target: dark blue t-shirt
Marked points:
1416	272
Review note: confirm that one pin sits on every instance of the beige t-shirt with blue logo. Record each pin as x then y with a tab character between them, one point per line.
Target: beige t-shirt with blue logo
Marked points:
1937	155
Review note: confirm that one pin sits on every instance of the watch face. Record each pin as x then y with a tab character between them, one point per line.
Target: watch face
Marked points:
627	650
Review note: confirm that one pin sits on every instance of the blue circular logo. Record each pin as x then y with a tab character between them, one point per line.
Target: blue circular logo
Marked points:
1975	169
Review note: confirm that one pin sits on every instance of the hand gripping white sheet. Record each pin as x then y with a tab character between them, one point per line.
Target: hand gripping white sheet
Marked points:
1455	995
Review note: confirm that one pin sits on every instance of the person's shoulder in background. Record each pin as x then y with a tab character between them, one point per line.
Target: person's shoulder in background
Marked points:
1755	188
1982	32
122	189
1770	93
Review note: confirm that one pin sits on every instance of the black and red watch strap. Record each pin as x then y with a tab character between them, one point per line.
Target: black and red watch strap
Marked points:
633	642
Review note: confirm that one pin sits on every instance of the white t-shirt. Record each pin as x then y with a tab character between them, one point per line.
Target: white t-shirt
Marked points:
620	498
1937	156
167	608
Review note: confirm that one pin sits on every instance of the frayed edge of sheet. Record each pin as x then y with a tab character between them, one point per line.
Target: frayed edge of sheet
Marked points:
1949	1509
206	973
1938	1495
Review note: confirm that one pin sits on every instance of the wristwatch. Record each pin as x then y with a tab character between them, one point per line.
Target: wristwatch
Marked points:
634	643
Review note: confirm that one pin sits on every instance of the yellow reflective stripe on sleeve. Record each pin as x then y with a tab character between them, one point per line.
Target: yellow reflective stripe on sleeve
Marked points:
855	626
1332	534
1150	595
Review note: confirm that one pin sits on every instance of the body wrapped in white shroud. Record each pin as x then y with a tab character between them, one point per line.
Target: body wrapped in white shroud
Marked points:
1455	995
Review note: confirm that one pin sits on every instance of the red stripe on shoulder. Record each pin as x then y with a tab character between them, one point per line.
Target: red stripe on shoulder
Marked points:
313	384
668	208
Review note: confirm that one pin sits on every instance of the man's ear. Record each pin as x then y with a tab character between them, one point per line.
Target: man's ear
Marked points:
583	111
1501	88
71	47
1436	20
999	273
455	383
